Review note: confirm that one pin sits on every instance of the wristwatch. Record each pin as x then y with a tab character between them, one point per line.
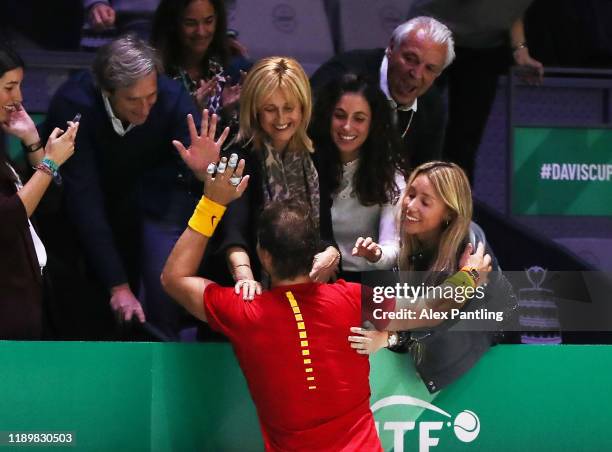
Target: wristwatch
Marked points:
472	272
392	339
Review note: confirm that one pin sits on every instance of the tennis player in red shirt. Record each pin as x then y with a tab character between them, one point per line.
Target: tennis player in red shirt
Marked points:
310	388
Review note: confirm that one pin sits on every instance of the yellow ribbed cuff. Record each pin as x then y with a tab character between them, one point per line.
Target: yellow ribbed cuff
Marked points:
206	216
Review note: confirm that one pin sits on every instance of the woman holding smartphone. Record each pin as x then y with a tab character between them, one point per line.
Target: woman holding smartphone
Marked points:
23	256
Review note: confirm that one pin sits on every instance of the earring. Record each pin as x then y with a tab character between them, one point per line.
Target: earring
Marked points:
447	222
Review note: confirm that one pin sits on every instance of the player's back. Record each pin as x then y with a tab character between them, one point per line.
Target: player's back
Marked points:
311	389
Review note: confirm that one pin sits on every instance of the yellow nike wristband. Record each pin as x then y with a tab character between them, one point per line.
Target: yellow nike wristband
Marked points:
206	216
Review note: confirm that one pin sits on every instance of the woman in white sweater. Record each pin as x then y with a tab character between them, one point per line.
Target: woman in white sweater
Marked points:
358	161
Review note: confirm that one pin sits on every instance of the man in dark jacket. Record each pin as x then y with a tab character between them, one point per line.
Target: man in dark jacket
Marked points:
126	193
418	52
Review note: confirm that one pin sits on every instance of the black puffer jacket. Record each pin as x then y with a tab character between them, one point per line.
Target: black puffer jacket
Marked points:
441	355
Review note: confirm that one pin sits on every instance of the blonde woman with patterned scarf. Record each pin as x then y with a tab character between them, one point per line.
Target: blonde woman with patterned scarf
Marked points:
275	107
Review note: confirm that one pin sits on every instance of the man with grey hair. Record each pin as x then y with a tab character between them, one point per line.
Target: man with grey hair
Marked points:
489	37
417	53
127	193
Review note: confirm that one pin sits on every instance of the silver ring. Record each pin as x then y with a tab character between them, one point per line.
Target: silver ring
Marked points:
211	168
235	180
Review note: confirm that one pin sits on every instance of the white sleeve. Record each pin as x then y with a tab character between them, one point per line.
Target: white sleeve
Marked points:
388	230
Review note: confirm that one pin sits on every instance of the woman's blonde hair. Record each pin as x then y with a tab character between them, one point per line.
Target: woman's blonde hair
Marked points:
265	76
453	187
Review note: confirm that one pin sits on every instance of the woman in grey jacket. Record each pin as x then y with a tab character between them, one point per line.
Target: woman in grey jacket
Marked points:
435	228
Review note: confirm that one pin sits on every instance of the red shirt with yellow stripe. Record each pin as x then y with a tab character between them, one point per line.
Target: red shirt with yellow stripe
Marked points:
310	388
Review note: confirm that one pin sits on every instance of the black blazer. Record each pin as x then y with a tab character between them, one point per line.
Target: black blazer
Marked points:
423	142
112	182
239	225
447	355
20	279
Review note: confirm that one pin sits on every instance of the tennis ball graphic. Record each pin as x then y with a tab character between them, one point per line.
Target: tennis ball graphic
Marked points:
467	426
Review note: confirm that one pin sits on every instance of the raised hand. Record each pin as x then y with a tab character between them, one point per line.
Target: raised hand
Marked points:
205	91
102	16
479	261
60	145
21	125
231	93
368	249
203	150
227	184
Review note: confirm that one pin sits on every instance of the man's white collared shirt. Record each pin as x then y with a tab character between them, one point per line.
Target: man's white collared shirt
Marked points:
116	122
384	87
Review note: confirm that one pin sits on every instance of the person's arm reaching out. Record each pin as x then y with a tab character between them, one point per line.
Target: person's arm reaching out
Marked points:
59	148
178	277
370	341
479	261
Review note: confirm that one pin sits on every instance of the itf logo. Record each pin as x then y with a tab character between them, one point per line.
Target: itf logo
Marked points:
466	424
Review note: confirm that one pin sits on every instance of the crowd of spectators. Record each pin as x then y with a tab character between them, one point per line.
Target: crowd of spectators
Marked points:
343	142
379	167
